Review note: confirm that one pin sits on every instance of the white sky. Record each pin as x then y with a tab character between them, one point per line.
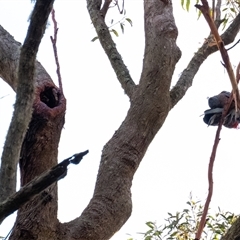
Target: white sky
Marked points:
176	162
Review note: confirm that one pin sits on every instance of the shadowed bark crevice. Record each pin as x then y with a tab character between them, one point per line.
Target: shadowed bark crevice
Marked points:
50	97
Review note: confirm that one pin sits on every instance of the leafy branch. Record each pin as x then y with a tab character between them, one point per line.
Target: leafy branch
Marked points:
121	22
183	225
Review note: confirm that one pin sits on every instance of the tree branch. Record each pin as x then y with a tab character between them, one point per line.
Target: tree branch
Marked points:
37	185
210	182
218	10
105	7
186	79
24	98
220	44
9	61
233	232
9	58
54	42
110	47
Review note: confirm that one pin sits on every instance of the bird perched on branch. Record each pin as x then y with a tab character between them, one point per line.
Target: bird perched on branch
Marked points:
213	115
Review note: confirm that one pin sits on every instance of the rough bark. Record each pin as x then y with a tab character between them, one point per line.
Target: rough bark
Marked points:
233	233
39	149
39	153
151	101
24	98
111	204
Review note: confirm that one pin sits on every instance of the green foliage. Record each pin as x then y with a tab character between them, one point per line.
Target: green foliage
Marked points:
121	23
185	4
229	9
183	225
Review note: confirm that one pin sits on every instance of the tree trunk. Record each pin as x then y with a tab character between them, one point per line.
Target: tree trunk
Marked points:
38	218
151	100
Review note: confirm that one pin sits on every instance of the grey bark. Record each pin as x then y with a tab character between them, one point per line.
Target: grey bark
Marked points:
24	98
109	47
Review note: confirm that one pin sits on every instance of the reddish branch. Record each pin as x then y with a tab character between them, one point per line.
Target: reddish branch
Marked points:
218	41
210	182
210	171
54	41
206	12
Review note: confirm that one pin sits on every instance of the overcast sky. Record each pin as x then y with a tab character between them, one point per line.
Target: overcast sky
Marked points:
176	162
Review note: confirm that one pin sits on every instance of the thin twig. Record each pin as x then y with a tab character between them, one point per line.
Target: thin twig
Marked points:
213	9
54	41
218	10
233	45
4	96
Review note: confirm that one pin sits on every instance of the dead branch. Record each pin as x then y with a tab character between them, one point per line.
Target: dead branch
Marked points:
37	185
54	42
